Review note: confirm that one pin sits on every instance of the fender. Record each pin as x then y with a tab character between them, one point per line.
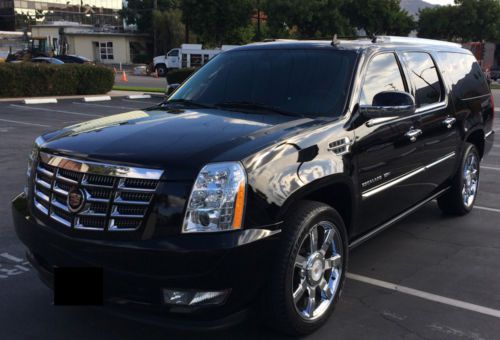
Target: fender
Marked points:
295	168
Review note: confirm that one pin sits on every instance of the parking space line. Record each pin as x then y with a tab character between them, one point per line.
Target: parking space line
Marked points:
52	110
111	106
425	295
486	208
11	257
23	123
490	168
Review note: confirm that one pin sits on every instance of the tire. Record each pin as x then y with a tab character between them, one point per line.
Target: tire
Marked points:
460	198
162	70
310	275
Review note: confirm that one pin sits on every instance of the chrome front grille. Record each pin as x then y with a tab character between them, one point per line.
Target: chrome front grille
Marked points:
116	198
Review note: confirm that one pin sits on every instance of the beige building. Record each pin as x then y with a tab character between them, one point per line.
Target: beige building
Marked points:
98	44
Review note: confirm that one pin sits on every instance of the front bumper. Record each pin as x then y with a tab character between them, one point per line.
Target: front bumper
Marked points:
135	272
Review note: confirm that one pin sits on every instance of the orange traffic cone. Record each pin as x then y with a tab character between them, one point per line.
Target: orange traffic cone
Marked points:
124	77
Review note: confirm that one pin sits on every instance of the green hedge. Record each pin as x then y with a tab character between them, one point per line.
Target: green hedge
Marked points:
178	76
32	80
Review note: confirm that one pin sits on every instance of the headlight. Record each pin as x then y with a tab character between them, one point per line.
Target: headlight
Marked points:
217	200
32	158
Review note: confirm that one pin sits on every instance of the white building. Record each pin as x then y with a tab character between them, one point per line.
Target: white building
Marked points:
101	44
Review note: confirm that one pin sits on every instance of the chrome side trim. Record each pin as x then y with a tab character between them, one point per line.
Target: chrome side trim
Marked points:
396	219
99	168
442	159
404	177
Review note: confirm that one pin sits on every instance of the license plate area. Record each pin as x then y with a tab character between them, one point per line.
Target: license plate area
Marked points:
78	286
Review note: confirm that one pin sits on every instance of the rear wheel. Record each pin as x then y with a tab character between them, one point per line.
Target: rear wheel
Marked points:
460	199
309	270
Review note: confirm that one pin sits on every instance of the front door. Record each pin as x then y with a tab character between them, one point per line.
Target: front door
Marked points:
386	156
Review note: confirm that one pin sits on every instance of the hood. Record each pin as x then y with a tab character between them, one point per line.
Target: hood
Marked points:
177	141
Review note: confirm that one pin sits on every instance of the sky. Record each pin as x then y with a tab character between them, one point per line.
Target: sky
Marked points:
440	2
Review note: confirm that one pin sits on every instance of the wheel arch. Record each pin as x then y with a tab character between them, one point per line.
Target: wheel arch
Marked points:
336	191
476	137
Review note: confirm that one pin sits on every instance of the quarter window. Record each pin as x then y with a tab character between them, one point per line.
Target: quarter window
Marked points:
383	74
425	78
464	74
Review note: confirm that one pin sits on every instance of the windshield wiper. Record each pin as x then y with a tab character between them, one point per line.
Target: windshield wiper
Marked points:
187	102
257	107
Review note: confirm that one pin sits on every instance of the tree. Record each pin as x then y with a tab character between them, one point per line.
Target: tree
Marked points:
170	28
218	22
439	23
307	19
468	20
140	13
381	17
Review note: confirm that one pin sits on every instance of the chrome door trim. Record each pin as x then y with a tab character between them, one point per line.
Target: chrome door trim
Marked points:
404	177
356	242
418	112
99	168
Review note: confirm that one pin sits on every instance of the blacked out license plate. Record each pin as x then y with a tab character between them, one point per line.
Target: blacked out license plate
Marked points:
78	286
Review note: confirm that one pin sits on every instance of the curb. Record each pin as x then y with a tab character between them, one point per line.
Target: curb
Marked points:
139	96
96	99
30	101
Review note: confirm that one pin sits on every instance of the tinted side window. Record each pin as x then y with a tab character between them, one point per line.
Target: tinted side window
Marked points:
425	78
383	74
464	74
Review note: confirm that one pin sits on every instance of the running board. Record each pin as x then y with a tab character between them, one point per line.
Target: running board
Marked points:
394	220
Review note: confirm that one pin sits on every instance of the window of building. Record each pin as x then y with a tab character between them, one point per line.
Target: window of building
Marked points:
106	49
383	74
425	78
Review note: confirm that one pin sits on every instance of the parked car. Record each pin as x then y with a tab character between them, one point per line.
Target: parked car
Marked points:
248	187
495	73
46	60
73	59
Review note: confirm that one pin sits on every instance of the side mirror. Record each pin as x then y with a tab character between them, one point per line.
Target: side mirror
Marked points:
389	104
170	89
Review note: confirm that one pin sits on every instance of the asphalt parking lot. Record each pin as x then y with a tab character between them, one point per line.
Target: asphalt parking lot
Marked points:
428	277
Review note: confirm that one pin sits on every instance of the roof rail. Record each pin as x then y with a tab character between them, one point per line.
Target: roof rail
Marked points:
409	40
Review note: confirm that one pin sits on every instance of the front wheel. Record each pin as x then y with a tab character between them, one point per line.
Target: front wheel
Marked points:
460	199
161	70
309	271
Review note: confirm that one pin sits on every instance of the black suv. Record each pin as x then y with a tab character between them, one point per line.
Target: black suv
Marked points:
250	184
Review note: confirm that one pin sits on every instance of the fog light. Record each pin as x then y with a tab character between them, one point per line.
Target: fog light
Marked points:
193	298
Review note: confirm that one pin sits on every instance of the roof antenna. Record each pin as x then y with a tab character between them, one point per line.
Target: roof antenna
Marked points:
335	41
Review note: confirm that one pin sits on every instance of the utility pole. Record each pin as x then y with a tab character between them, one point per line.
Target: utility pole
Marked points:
258	20
155	49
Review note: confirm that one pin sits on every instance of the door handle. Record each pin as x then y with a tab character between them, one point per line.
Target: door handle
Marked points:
413	134
448	122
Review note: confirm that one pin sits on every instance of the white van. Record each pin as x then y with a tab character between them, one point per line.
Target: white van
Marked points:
188	55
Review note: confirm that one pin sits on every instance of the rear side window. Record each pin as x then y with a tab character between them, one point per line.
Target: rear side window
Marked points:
383	74
424	77
464	74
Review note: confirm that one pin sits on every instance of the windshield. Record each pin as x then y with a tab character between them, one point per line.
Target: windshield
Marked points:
302	82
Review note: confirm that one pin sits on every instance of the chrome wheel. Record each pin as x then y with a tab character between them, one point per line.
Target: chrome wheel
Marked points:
470	179
317	271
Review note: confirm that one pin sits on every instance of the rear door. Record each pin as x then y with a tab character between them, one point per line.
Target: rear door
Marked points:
439	141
